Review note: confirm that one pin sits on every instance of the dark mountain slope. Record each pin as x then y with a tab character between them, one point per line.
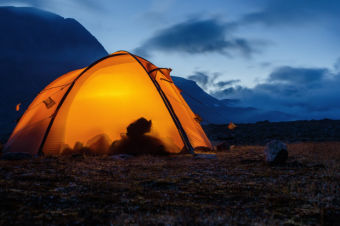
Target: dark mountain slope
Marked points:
35	48
217	111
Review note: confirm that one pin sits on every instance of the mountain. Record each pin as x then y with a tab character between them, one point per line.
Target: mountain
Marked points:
35	48
217	111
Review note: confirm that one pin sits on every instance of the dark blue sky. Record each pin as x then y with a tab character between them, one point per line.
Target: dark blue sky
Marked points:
273	54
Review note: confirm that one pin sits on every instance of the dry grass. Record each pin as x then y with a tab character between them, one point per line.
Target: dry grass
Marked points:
236	188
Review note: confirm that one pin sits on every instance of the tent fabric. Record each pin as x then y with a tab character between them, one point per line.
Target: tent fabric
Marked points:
99	102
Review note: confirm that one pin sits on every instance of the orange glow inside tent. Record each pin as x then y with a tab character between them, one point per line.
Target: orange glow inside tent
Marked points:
101	101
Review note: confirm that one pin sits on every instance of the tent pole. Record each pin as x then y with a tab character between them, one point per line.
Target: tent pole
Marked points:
171	111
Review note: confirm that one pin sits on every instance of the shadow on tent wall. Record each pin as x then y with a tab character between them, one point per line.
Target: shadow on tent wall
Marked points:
134	142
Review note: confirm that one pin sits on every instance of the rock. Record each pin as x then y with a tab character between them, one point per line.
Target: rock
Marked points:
121	156
205	156
276	152
15	156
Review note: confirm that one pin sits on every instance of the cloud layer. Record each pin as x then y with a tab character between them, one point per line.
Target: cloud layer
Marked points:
308	93
210	81
52	4
283	12
198	36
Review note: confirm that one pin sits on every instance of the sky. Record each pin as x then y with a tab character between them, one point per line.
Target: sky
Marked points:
272	54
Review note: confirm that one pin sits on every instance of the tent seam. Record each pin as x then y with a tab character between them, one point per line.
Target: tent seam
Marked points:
167	103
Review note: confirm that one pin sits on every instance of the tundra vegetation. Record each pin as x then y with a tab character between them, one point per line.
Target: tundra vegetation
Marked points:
237	187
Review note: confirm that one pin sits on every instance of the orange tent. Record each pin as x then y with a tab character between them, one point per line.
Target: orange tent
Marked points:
103	99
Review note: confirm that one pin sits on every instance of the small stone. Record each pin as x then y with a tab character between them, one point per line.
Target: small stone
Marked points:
15	156
205	156
276	152
121	156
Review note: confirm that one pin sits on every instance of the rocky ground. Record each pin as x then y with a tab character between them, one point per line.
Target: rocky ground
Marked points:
235	188
261	132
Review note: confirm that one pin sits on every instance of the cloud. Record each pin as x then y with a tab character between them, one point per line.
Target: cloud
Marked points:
200	78
204	79
210	81
265	64
297	75
52	4
283	12
33	3
198	36
308	93
337	65
222	84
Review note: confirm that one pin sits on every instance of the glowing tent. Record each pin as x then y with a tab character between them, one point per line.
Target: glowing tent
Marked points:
104	98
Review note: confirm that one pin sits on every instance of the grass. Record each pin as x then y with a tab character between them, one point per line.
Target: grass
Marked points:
236	188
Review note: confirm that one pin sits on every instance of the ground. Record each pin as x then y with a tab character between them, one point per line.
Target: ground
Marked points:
236	188
261	132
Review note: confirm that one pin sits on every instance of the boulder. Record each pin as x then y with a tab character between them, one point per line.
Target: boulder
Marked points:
276	152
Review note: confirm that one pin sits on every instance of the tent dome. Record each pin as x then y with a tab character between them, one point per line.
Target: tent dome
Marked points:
96	104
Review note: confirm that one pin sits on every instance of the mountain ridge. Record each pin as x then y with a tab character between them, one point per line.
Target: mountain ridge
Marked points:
216	111
37	47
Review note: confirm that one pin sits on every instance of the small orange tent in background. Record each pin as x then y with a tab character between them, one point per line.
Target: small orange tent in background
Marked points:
231	126
104	98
